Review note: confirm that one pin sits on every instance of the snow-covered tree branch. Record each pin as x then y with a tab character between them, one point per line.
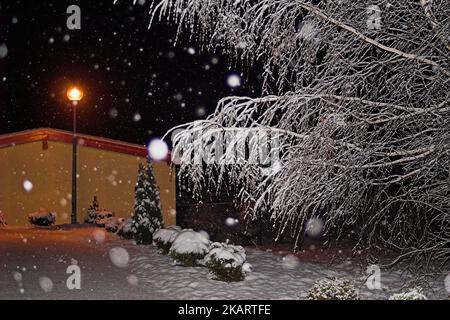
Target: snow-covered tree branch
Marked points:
357	93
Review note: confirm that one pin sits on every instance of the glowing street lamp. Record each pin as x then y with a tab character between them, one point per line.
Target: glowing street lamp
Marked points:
74	94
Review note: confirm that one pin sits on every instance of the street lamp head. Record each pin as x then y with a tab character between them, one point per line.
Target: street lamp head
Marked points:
74	94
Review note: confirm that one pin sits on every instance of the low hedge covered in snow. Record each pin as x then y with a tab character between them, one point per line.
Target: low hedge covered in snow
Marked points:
42	218
189	248
411	294
226	262
163	238
102	217
113	224
333	289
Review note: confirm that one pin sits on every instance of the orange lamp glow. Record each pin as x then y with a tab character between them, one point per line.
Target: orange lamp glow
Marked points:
74	94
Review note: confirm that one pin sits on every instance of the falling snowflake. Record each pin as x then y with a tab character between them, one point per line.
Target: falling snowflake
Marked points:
191	51
234	80
99	235
290	262
231	221
46	284
132	280
314	227
27	185
3	50
200	111
137	117
158	149
215	60
63	202
17	276
119	257
113	113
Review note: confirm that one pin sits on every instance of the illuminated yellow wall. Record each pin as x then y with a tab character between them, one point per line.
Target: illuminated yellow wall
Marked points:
108	175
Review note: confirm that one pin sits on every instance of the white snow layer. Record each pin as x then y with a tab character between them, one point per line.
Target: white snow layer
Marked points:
189	241
269	278
166	235
223	252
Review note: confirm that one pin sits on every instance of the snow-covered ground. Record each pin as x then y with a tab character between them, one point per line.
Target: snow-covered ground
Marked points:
272	278
117	269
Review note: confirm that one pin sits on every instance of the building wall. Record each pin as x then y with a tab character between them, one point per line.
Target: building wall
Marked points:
108	175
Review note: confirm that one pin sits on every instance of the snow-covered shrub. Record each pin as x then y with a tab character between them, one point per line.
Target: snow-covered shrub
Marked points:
147	217
189	247
113	224
333	289
125	229
43	217
2	220
163	238
103	217
226	262
411	294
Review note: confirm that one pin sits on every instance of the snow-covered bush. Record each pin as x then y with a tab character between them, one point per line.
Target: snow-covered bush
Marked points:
333	289
163	238
411	294
189	247
103	217
147	217
226	262
43	217
113	224
2	220
125	229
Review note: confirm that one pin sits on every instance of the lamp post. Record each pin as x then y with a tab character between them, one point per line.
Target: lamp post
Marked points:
74	94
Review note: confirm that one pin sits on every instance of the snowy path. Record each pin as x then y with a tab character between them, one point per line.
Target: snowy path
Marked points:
47	253
28	255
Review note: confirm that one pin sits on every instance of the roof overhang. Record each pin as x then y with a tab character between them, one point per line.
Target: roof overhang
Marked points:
48	134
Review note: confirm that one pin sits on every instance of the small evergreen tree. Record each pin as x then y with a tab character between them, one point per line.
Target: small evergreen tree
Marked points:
147	216
92	211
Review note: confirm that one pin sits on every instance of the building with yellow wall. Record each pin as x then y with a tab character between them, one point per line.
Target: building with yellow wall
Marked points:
35	172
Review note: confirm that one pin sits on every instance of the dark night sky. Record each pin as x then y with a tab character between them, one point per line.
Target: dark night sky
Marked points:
126	71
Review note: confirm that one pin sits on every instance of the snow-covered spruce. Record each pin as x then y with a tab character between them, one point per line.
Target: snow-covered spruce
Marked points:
113	224
189	248
226	262
411	294
163	238
2	220
125	229
147	217
43	217
333	289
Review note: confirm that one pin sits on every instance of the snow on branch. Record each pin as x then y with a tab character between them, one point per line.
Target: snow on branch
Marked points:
353	125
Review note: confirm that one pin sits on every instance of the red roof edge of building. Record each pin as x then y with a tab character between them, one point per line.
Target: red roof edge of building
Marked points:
49	134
